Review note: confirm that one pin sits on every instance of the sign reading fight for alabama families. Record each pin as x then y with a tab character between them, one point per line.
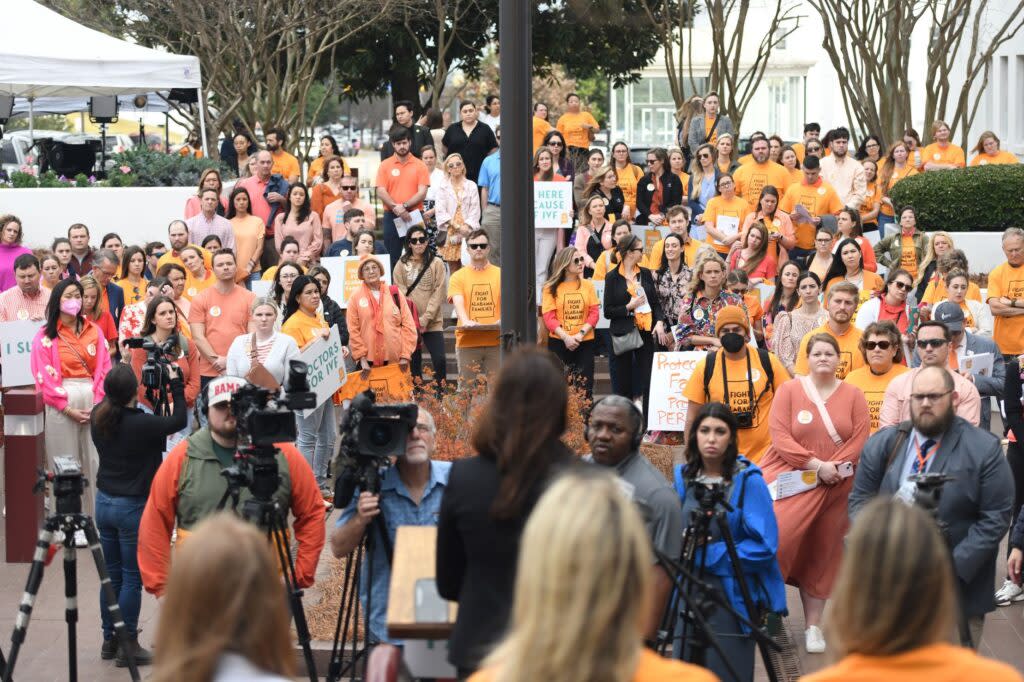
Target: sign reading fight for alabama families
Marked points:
669	374
326	367
16	351
552	204
345	275
388	383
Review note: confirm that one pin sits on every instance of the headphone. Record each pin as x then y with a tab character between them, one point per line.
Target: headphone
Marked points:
638	436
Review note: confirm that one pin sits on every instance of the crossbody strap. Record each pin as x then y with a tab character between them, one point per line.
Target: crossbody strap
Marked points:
812	392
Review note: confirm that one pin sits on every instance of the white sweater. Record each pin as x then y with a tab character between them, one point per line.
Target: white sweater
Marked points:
283	350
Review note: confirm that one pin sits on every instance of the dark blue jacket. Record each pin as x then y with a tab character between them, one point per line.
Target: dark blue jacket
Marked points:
278	184
756	534
115	295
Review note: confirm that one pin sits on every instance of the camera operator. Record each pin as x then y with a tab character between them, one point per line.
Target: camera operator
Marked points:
713	459
130	443
975	504
160	325
410	495
189	486
614	434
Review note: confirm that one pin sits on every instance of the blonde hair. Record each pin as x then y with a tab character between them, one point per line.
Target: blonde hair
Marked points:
90	282
582	585
930	255
261	301
894	554
704	256
224	594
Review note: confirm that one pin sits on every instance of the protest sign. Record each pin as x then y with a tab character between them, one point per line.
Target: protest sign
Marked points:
389	383
345	275
649	235
552	204
16	351
669	374
326	367
602	321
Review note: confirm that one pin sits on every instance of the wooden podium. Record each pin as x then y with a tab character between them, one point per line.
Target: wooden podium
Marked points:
414	559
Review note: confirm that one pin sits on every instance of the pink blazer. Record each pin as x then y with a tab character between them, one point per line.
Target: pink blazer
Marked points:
45	362
447	203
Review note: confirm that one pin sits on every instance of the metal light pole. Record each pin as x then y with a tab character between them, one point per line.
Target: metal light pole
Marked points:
518	288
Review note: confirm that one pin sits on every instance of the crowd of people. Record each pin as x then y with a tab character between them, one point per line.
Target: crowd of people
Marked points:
844	355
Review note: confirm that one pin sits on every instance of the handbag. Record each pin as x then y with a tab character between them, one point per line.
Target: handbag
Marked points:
258	374
627	342
412	310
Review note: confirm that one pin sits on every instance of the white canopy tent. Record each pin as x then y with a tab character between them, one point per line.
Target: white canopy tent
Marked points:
44	54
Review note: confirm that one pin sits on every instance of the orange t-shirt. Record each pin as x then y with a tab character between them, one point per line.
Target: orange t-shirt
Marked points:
650	668
627	179
194	286
908	255
78	351
481	297
1008	332
249	235
1002	157
226	316
932	663
937	154
403	180
818	199
540	129
752	177
719	206
571	127
872	198
303	328
897	175
285	164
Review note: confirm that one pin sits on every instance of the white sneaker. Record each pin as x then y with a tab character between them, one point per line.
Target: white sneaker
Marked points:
1009	593
814	641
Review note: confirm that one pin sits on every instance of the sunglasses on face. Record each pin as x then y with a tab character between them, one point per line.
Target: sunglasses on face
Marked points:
417	240
348	187
553	143
578	260
931	343
884	345
903	286
478	246
704	156
640	250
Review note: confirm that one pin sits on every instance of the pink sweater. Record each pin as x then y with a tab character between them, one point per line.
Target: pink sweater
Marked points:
45	361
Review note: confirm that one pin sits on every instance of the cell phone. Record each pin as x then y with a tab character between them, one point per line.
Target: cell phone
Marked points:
430	607
845	469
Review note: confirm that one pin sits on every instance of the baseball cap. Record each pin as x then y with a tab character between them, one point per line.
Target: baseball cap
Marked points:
220	389
949	314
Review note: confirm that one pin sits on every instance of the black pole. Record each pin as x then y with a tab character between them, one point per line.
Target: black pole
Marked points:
518	288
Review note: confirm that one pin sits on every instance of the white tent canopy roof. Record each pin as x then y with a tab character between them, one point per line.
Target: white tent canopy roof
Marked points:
43	53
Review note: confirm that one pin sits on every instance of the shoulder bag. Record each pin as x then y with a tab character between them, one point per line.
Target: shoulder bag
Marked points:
258	374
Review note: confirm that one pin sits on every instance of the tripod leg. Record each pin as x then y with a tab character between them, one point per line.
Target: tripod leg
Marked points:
348	588
71	601
28	600
108	592
278	534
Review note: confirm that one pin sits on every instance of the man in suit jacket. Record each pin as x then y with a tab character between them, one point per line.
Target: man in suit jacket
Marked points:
104	269
975	505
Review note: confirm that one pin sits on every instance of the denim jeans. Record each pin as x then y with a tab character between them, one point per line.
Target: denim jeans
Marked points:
315	439
117	519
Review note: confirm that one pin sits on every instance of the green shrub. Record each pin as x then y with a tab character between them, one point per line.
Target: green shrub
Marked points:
978	199
21	180
155	169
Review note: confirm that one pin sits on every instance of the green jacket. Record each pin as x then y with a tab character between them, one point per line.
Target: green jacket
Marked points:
889	251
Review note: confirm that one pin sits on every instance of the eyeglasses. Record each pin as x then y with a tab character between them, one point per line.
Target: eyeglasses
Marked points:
348	187
578	260
931	343
824	240
555	143
903	286
478	246
921	398
871	345
417	240
650	161
726	183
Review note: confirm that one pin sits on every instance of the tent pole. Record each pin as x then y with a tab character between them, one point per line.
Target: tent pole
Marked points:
31	122
202	122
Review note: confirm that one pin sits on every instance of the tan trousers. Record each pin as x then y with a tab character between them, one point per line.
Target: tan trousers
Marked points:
65	437
473	361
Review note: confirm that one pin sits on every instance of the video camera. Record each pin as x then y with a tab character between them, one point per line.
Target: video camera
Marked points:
158	358
263	418
370	436
68	484
928	492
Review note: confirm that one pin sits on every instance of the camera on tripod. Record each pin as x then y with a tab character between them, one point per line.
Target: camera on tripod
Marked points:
370	436
68	484
265	417
158	359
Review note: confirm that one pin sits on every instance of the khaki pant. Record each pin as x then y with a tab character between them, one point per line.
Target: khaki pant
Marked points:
473	361
64	437
491	224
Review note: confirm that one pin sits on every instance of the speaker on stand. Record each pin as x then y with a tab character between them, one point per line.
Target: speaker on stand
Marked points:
103	110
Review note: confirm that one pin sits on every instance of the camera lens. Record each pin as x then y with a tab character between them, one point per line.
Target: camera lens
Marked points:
380	435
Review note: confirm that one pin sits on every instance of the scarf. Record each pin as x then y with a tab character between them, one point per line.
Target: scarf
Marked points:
896	313
377	310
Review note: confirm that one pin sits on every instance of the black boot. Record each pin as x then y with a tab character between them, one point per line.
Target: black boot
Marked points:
141	656
109	648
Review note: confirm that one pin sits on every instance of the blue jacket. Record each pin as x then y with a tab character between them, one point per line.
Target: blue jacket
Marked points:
754	530
115	295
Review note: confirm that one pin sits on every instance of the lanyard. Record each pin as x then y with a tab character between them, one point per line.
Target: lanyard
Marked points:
924	457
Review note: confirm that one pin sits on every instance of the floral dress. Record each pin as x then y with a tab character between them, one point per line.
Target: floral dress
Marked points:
671	290
696	317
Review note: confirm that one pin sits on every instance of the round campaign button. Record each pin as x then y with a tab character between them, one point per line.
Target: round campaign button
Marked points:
192	292
821	191
777	223
215	311
804	417
755	374
91	349
395	172
698	314
936	156
650	186
363	303
22	314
